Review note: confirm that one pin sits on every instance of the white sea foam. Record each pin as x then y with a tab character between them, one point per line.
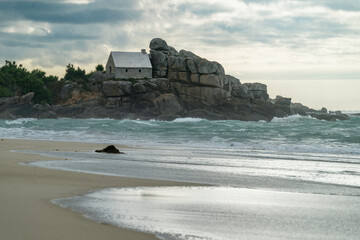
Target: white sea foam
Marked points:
222	213
291	118
183	120
19	121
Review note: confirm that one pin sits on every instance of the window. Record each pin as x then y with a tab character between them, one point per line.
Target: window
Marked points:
110	69
126	70
139	70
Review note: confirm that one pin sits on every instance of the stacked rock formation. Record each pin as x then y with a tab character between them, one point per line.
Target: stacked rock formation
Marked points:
183	85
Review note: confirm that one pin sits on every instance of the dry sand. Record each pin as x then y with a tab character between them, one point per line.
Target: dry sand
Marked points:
25	193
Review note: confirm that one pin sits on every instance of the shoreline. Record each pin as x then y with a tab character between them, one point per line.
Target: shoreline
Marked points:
26	192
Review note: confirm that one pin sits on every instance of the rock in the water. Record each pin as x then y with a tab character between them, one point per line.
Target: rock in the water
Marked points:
158	44
109	149
324	110
330	117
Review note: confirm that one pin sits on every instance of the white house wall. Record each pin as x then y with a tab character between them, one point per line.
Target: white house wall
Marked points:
126	73
110	66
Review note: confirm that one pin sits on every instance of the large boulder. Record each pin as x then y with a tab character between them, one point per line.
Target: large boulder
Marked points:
198	96
211	80
188	54
231	81
257	91
176	63
139	87
116	88
330	117
169	104
6	101
256	87
300	109
192	66
158	44
159	63
163	84
66	91
219	68
27	97
323	110
125	87
206	67
279	100
240	91
172	50
99	77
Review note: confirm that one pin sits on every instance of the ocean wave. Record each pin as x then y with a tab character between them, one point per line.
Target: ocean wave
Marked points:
182	120
291	118
19	121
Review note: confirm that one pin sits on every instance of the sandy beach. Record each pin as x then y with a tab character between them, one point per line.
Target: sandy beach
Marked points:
25	208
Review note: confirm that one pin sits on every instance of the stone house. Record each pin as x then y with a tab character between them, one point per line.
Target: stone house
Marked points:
125	65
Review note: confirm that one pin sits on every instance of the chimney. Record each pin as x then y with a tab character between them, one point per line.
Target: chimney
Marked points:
143	51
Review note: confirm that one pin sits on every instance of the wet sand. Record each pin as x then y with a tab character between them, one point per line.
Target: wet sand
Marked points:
25	208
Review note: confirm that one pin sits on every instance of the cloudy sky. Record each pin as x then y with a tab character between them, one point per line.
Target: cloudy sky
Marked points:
308	49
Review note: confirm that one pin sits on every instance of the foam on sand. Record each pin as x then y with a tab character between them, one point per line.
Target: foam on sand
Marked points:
222	213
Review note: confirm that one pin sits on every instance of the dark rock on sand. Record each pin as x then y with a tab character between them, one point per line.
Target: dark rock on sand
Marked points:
109	149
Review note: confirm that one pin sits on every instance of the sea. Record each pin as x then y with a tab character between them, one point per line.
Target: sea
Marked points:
291	178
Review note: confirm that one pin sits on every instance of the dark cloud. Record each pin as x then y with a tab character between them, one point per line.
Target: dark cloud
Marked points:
20	43
55	32
286	30
30	40
53	12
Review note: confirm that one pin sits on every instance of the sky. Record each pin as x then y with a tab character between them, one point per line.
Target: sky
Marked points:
308	50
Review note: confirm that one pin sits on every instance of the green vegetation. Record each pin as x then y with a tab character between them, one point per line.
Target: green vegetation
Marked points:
15	80
100	68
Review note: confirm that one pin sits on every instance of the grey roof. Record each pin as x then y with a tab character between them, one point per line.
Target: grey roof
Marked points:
131	59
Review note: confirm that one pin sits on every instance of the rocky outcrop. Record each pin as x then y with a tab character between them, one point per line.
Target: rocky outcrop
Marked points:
330	117
183	85
15	107
113	88
257	91
168	104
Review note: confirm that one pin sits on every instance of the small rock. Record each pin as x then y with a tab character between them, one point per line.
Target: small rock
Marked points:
109	149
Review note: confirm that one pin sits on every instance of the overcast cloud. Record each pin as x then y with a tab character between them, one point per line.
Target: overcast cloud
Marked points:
253	39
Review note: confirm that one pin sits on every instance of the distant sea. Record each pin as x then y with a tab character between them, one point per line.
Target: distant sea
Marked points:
291	178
